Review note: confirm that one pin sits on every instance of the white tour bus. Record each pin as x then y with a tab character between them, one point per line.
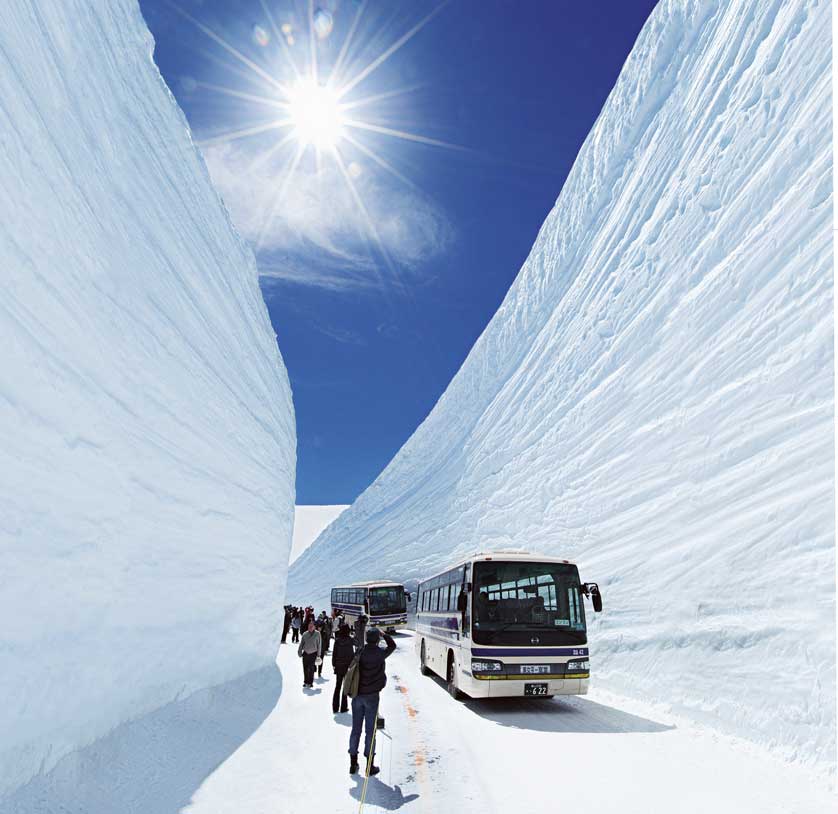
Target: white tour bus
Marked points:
506	623
383	601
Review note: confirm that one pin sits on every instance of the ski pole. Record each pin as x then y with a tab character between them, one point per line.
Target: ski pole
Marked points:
369	763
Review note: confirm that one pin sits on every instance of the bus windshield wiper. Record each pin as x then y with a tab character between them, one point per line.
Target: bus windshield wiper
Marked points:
509	625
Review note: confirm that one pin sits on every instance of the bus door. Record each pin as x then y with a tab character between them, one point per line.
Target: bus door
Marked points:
464	602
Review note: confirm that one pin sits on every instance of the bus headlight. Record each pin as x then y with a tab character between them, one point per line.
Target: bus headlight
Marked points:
482	666
579	666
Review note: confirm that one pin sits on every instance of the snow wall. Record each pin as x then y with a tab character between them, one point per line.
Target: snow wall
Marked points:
654	397
147	440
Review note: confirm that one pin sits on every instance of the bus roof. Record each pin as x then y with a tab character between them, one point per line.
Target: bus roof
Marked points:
373	583
515	554
501	555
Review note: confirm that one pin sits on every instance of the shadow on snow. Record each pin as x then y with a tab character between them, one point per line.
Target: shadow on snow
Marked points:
562	714
570	713
390	798
155	764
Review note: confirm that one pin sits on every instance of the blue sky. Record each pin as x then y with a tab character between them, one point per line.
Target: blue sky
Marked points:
382	263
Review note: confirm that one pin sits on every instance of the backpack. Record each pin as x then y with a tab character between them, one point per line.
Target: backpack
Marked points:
352	679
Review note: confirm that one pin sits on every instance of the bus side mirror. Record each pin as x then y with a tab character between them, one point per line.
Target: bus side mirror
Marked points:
591	589
462	602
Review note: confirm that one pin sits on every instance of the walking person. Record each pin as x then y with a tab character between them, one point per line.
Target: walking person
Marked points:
372	677
342	655
318	662
309	650
286	623
296	624
360	631
327	635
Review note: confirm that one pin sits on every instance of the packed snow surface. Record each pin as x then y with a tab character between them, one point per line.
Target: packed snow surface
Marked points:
236	750
654	397
309	522
147	441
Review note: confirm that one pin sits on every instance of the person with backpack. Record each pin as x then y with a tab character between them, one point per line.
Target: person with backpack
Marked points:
371	677
309	651
342	654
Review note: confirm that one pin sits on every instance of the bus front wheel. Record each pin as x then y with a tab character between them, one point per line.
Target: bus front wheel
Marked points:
453	690
423	665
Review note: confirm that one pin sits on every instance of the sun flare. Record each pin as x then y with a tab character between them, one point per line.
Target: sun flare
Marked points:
315	114
319	111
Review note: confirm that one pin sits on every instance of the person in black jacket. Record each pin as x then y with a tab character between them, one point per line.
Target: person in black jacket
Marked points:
361	631
372	677
286	623
342	655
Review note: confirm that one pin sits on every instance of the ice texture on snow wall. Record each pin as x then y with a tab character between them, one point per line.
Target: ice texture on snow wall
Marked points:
654	397
147	441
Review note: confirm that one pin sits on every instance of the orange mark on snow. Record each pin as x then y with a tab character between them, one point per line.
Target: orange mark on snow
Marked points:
410	711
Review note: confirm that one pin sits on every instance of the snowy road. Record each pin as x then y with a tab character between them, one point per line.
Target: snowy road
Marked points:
481	756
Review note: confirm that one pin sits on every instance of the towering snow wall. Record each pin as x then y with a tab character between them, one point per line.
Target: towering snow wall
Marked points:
654	397
147	440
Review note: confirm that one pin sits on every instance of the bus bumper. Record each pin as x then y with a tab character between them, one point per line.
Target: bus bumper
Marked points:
514	687
391	626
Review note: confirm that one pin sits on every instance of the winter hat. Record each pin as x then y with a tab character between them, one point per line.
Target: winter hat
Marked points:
373	636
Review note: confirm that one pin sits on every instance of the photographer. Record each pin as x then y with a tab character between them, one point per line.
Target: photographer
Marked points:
372	679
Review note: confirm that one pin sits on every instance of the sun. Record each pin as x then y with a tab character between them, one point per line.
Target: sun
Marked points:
319	109
315	114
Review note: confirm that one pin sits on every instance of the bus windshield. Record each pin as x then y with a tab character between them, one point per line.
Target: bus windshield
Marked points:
387	600
525	603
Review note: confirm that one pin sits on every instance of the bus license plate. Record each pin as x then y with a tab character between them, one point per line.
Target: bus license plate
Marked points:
535	689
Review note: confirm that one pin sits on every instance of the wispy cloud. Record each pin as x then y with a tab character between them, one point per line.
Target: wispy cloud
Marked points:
318	234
